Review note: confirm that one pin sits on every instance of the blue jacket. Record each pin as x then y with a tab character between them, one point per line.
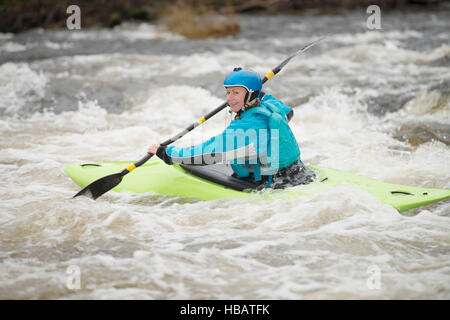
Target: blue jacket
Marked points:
259	143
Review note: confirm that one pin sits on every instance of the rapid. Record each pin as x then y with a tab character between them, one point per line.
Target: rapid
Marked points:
372	102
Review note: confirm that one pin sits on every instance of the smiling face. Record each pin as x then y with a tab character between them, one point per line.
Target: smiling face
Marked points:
235	98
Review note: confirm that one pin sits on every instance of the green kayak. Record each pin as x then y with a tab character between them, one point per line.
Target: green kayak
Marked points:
215	182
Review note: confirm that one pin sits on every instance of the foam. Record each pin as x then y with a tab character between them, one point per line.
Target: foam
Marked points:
20	85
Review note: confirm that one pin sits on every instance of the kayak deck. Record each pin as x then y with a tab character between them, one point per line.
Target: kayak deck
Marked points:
157	177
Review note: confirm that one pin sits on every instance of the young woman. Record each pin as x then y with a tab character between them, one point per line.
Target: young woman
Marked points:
258	143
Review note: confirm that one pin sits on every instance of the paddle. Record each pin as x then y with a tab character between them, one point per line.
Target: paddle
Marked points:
103	185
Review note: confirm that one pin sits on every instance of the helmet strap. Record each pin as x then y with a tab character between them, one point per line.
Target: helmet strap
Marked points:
246	101
249	99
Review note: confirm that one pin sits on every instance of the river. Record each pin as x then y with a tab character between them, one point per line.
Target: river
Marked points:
372	102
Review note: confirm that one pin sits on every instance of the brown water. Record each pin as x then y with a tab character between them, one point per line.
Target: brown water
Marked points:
374	103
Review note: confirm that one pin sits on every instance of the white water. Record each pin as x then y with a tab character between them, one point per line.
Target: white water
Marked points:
341	244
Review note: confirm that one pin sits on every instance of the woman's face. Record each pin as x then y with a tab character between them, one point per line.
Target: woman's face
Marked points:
235	98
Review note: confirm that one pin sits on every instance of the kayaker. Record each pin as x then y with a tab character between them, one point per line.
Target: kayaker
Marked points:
258	143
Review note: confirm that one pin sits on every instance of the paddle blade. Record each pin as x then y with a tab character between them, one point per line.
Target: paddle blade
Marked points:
100	186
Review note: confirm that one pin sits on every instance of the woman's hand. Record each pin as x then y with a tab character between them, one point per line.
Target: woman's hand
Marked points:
153	148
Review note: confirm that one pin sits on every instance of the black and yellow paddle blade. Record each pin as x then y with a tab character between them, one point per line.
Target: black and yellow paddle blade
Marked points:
100	186
103	185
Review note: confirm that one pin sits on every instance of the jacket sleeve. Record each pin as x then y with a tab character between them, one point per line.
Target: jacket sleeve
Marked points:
234	145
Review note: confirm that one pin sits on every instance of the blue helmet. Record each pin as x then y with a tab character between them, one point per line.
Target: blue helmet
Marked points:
246	78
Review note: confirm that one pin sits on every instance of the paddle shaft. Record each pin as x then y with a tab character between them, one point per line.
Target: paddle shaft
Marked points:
267	76
175	138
